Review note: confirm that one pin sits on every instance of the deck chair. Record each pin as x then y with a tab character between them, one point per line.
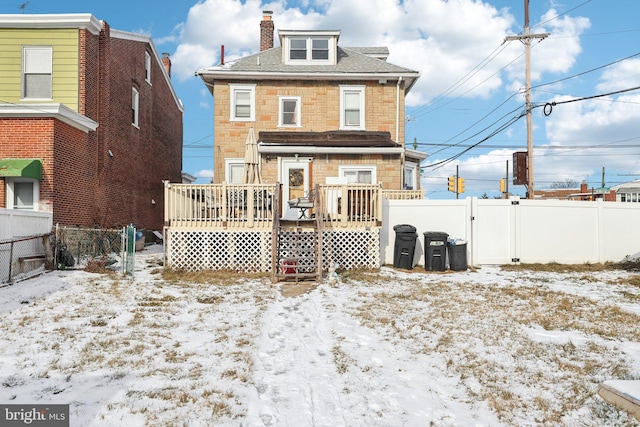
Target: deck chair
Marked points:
303	203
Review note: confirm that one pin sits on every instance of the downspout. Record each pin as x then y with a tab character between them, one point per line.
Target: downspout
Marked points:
402	168
398	108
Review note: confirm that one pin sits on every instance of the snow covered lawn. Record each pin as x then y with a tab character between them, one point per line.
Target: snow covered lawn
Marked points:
396	348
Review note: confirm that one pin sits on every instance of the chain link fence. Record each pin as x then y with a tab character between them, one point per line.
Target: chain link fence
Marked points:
65	247
24	257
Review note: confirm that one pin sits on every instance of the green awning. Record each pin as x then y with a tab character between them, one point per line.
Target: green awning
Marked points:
28	168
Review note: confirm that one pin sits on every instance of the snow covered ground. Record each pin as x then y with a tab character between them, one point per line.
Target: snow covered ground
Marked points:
398	348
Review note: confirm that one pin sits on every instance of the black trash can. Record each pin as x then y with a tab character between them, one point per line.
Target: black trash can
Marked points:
405	246
458	256
435	251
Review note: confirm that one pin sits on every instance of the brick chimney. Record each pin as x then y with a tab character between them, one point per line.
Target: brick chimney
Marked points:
166	61
266	31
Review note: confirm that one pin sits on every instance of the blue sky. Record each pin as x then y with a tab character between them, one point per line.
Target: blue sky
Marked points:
471	81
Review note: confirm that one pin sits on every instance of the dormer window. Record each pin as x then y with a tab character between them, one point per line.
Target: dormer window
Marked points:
309	48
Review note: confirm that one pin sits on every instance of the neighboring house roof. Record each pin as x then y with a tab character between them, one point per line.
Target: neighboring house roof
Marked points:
352	64
628	187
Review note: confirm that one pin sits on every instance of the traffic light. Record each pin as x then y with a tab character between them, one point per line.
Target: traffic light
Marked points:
460	185
452	184
502	185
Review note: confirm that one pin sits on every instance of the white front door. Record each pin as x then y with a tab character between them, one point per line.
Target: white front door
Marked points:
295	183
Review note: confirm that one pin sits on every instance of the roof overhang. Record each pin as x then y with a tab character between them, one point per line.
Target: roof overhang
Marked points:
26	168
415	154
63	20
209	76
328	142
56	111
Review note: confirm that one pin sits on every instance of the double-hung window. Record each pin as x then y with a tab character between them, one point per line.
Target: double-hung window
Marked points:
309	50
243	102
147	67
410	176
358	174
289	111
135	106
233	171
37	69
352	108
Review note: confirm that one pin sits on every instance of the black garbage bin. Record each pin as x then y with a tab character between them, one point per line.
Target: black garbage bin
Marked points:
458	256
405	246
435	251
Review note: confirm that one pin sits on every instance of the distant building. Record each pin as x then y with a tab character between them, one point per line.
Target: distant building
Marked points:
90	124
582	193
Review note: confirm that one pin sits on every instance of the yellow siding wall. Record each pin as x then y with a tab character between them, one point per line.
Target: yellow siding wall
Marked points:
65	62
320	112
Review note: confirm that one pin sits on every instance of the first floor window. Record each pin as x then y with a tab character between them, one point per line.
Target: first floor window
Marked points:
37	68
410	176
22	194
360	174
234	169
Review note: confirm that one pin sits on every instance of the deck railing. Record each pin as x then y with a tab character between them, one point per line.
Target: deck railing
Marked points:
253	206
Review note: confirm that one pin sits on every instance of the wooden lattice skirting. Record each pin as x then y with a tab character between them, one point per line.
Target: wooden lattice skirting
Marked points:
250	251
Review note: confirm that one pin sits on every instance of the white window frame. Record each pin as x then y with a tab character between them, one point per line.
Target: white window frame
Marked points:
10	193
147	67
233	90
410	171
229	164
331	53
344	91
41	63
135	107
342	169
281	101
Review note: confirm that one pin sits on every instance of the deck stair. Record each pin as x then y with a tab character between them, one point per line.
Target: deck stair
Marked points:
297	247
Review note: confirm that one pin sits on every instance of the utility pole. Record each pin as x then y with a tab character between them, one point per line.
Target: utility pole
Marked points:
526	40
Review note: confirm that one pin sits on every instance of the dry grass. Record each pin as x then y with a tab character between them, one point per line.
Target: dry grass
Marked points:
470	326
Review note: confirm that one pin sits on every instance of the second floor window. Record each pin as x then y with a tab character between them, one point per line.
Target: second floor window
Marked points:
135	106
352	107
37	66
243	102
147	67
309	50
289	111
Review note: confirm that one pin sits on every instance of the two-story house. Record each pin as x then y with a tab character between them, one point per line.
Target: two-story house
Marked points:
90	124
322	113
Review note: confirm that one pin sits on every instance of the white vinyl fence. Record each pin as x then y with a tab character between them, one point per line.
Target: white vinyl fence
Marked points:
528	231
19	223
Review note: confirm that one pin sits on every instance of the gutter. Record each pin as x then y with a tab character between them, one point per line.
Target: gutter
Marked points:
309	149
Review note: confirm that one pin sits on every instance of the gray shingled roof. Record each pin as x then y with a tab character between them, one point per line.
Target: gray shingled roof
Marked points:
350	60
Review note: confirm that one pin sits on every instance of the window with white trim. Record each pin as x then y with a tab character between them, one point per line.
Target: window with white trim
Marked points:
289	115
243	102
37	69
352	108
410	176
233	171
135	106
147	67
310	50
358	174
22	193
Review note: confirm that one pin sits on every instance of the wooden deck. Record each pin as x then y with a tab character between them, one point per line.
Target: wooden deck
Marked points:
240	206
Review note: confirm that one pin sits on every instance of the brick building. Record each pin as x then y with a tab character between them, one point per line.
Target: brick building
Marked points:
322	113
90	124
